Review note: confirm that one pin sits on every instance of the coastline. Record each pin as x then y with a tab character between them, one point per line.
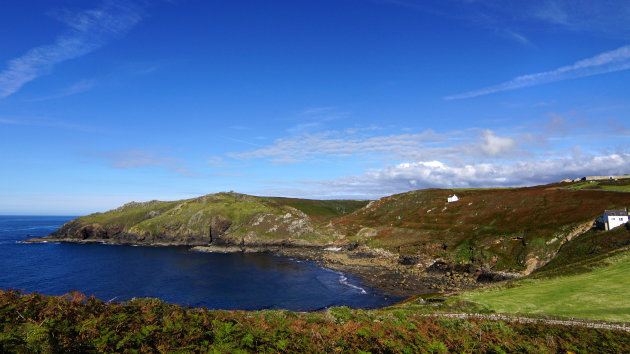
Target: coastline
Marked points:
378	269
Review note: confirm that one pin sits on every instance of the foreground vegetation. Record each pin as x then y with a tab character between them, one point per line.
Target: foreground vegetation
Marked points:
74	323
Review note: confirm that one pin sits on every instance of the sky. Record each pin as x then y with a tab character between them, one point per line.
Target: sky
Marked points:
106	102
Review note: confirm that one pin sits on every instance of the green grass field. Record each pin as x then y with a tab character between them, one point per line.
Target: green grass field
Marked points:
608	185
602	294
625	188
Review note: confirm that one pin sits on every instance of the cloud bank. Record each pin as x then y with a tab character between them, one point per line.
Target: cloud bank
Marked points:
437	174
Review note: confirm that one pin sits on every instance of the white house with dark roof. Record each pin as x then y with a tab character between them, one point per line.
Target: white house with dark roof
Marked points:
613	218
452	198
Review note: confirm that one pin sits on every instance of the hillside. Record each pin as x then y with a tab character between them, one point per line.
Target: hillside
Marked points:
219	219
507	229
586	280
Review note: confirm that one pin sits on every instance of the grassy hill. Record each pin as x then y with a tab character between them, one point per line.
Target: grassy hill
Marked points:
224	218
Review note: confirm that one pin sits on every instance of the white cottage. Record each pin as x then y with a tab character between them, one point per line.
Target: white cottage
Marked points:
614	218
452	198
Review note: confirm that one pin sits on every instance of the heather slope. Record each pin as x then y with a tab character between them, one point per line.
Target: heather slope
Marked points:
506	229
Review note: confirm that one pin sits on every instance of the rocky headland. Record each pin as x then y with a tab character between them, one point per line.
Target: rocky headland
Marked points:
404	245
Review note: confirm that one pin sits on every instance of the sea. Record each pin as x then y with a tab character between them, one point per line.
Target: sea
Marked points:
115	273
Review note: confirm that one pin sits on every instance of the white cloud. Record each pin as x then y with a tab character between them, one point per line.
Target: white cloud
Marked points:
437	174
611	61
89	30
494	146
457	145
337	144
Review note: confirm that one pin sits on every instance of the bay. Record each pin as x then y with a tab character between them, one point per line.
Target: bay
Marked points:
173	274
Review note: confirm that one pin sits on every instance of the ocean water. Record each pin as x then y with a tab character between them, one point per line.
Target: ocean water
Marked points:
173	274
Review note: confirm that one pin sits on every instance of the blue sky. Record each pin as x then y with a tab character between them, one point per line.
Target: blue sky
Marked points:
105	102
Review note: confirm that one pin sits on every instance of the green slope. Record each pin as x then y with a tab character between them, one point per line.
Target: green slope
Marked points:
226	217
601	294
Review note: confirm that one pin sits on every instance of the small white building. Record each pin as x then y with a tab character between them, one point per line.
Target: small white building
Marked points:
452	198
613	218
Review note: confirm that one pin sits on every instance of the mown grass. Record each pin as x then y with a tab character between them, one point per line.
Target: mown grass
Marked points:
601	294
74	323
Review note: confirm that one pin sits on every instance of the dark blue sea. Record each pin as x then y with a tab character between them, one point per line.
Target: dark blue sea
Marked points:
172	274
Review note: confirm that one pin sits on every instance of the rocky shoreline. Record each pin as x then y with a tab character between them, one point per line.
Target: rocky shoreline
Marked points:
391	274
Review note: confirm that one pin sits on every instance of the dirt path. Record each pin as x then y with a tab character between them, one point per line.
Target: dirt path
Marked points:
584	323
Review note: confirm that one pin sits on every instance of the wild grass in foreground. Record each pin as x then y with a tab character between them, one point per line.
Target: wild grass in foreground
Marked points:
74	323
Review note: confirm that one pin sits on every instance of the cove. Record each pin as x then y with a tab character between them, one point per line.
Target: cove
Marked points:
246	281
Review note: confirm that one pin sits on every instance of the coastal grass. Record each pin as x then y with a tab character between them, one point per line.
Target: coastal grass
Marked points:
75	323
601	294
